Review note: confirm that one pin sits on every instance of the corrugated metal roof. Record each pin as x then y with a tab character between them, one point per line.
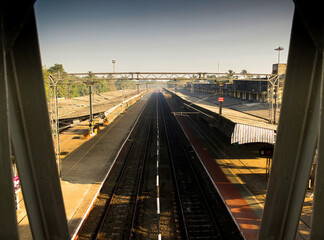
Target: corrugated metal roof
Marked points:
249	134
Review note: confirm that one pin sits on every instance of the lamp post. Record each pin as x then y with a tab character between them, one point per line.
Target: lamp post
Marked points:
114	62
278	49
114	67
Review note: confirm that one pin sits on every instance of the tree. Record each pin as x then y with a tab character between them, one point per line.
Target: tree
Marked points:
230	73
57	68
90	75
245	72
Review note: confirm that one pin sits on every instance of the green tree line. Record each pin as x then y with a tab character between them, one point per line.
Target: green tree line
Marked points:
80	89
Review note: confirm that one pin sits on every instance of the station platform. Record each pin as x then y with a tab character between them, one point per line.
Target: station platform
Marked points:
86	165
242	177
248	122
79	106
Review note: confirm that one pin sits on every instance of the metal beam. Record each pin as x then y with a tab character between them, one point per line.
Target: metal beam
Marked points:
8	219
29	124
312	17
317	230
297	135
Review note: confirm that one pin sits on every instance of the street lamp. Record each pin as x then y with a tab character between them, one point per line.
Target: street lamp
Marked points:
113	62
278	49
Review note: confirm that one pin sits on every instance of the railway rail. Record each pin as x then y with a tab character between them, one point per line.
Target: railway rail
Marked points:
203	214
158	188
121	209
197	218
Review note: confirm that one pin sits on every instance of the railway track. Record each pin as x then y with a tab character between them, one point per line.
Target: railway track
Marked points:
197	218
202	210
157	188
113	211
120	212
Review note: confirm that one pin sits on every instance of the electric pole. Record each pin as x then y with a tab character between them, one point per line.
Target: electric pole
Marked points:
56	126
276	83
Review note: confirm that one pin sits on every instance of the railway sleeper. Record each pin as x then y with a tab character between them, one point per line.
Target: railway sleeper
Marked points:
196	220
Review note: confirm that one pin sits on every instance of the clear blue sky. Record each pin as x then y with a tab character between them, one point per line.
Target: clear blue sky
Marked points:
164	35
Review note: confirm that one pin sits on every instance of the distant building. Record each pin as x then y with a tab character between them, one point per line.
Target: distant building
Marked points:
281	70
254	90
250	90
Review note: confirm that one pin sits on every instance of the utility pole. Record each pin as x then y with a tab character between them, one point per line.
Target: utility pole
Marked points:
269	99
272	104
90	83
68	91
175	84
122	91
56	126
90	108
276	83
137	86
221	98
275	99
57	132
90	101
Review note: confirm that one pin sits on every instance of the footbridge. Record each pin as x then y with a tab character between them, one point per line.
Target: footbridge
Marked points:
216	76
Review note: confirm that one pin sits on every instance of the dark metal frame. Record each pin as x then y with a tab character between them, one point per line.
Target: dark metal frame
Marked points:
25	128
299	131
24	122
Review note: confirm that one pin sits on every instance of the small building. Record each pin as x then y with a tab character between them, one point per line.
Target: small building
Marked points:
250	90
281	70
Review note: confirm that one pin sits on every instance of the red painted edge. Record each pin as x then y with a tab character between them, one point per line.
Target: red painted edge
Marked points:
244	216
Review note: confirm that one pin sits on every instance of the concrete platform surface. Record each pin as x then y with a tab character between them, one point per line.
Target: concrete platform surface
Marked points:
256	108
236	110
